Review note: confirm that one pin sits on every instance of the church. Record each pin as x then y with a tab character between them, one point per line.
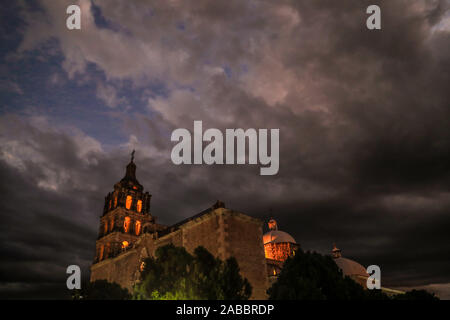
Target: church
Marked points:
129	233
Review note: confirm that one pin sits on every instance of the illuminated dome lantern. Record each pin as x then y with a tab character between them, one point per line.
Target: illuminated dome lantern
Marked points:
278	245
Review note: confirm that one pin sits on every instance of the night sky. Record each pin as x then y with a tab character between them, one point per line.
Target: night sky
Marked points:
364	119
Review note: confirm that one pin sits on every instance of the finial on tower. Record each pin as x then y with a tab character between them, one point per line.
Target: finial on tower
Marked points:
272	224
130	174
336	252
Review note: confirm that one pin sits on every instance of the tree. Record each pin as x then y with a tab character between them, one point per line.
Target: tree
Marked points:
233	286
174	274
312	276
101	290
416	295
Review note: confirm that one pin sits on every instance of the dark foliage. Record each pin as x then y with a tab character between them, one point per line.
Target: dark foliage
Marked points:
101	290
312	276
416	295
176	274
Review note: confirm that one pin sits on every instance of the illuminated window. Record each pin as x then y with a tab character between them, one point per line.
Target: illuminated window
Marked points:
105	230
139	206
274	272
100	256
115	201
137	228
110	203
126	224
125	244
111	225
142	267
128	203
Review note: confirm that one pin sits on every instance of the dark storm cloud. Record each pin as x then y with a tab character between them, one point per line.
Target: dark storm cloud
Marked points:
363	117
43	229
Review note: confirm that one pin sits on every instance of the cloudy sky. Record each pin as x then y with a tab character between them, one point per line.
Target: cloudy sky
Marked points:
364	119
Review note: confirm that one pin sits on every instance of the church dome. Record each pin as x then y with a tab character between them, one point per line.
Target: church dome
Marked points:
348	266
276	236
278	245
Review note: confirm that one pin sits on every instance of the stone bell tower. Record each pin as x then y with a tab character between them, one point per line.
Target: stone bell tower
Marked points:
126	215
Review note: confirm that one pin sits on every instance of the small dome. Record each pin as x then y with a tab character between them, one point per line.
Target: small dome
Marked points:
350	267
276	236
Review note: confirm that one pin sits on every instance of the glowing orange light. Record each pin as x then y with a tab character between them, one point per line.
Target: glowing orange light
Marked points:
115	201
272	224
100	256
277	251
126	224
125	244
128	202
139	206
137	228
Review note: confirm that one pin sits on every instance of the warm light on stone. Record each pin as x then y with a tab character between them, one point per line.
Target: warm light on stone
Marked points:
126	225
128	203
137	228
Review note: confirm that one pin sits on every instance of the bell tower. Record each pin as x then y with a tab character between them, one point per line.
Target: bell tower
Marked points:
126	215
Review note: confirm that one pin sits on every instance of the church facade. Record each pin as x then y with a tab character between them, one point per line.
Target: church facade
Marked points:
129	233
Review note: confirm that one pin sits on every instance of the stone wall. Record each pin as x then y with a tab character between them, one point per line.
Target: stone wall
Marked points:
221	231
121	269
244	238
